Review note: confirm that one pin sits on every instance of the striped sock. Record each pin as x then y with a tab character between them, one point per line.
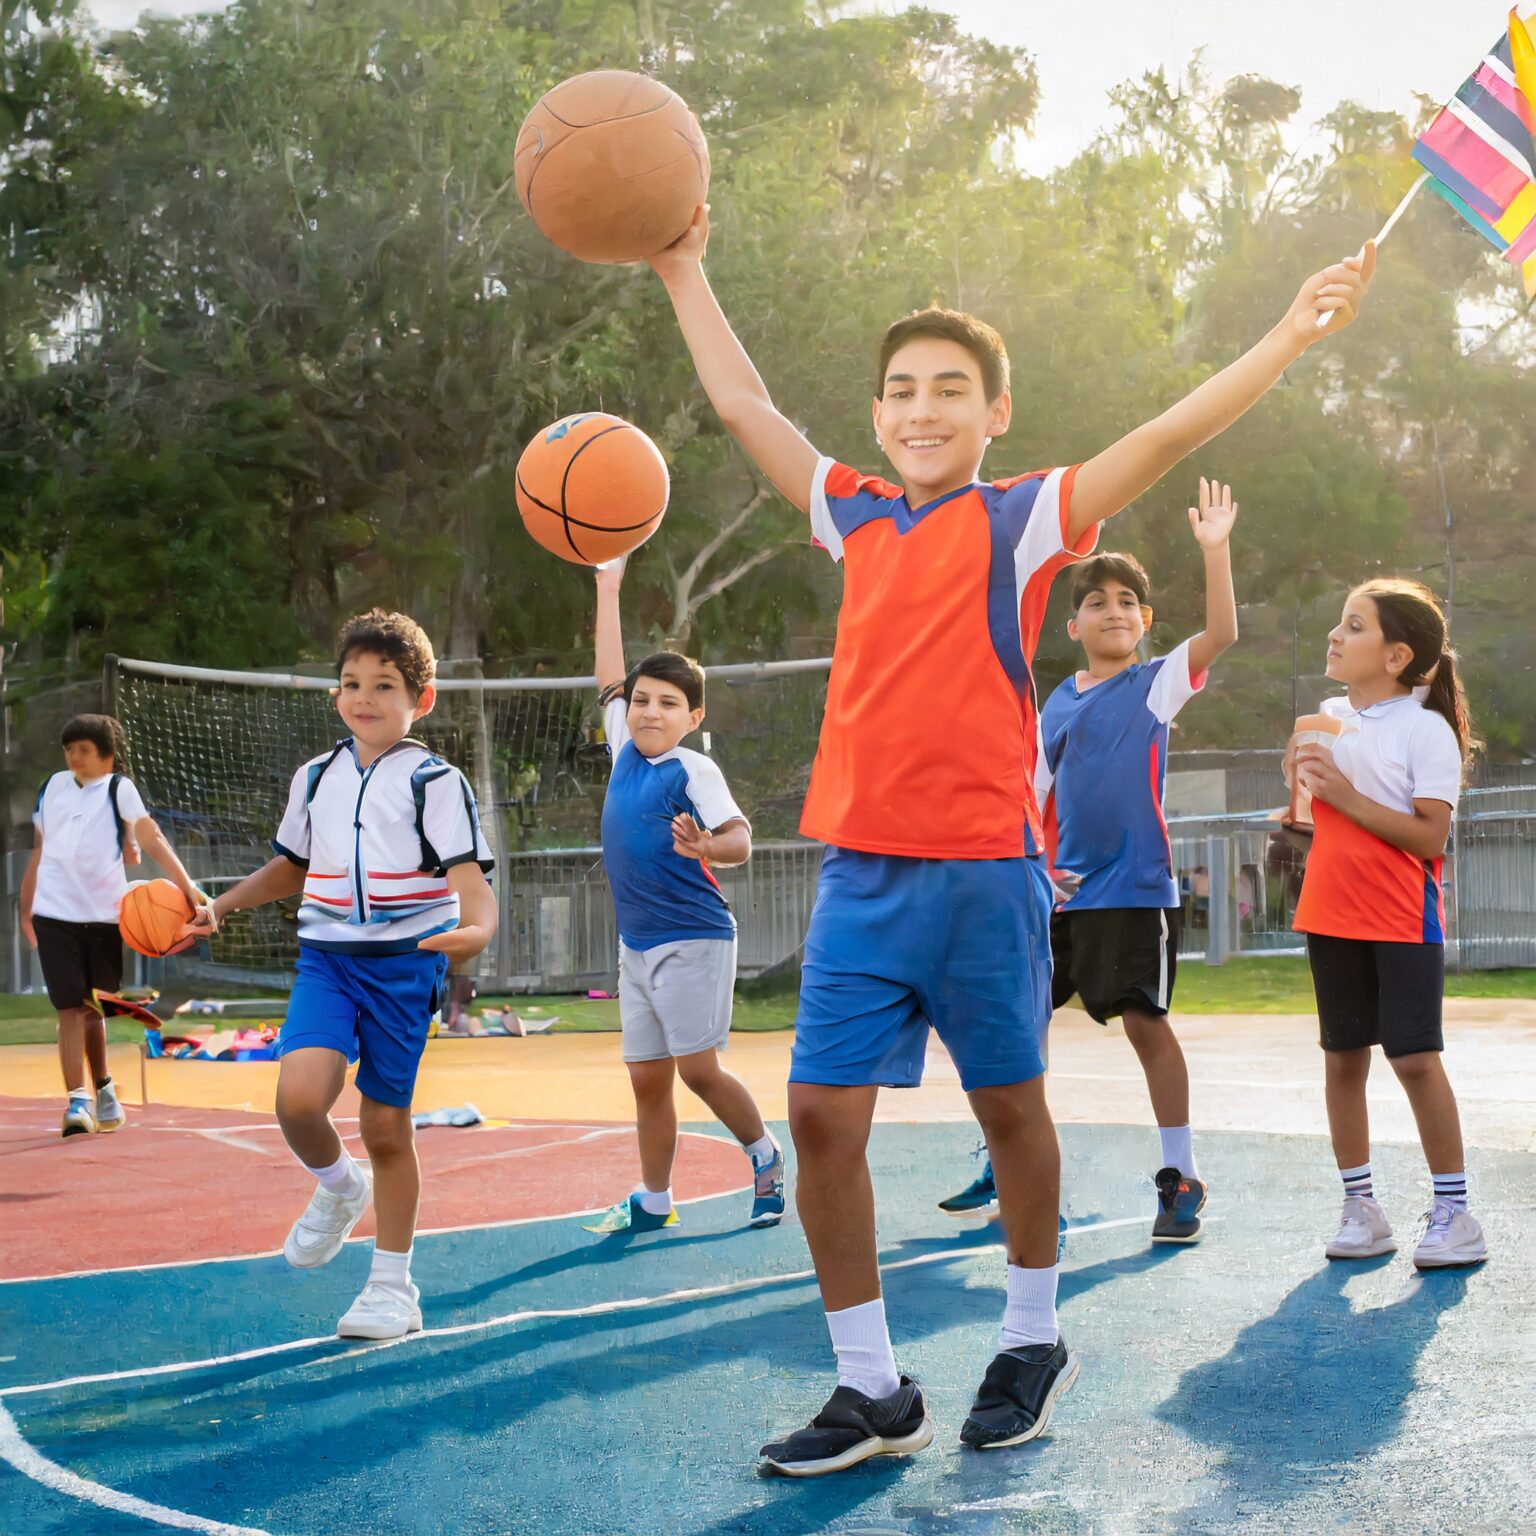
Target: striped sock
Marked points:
1451	1187
1357	1181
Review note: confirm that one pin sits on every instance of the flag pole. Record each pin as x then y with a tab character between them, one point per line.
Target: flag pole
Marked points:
1382	233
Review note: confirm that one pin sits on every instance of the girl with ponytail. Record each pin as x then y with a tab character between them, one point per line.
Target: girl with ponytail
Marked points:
1371	905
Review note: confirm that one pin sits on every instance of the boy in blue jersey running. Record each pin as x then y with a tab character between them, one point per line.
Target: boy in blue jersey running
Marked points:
667	817
1099	778
383	839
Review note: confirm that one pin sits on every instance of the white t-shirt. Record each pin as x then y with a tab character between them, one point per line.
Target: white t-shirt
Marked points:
376	845
80	878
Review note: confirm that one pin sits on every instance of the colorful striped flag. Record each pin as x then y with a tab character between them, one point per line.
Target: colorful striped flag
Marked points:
1480	151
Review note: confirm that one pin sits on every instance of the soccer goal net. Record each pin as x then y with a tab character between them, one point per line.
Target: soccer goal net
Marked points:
214	753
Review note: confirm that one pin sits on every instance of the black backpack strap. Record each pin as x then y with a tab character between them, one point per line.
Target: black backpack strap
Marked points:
117	815
423	774
317	770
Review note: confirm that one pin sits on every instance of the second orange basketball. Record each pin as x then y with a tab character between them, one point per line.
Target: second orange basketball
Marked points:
591	487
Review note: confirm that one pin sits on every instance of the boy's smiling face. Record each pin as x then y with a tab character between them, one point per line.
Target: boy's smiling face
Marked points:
376	702
933	419
1110	622
658	716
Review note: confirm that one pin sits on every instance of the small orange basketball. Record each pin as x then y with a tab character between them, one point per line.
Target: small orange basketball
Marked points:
591	487
611	165
151	914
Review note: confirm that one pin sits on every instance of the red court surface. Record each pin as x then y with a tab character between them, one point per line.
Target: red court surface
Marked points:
181	1185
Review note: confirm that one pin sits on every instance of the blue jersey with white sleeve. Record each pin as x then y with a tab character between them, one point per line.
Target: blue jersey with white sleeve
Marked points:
1099	779
659	895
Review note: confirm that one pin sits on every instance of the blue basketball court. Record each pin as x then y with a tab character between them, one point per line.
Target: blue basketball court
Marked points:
570	1386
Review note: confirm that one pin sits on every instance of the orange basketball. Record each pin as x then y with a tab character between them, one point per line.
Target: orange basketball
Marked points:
611	165
591	487
151	914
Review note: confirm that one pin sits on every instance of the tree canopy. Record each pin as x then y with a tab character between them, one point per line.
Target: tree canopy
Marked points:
275	330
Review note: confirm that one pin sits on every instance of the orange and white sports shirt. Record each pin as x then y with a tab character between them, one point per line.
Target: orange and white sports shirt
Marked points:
930	734
1356	885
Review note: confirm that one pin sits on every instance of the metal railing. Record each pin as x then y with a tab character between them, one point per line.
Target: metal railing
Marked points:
1238	888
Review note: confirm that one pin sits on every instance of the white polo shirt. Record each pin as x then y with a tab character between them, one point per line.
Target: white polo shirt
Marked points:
1398	751
376	845
1357	885
80	878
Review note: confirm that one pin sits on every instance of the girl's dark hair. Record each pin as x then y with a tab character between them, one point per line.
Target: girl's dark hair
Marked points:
104	732
682	672
1409	615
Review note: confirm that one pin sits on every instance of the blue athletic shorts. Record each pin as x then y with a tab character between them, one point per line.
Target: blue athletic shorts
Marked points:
374	1009
898	944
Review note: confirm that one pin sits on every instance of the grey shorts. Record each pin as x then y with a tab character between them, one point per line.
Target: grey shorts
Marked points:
675	999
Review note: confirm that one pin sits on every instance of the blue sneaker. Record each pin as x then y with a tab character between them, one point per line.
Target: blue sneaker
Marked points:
977	1199
768	1191
1061	1237
1179	1203
630	1216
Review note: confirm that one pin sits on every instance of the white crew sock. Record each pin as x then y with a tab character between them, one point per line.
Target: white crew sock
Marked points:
761	1151
80	1093
1178	1149
1451	1187
391	1269
343	1177
1030	1316
654	1202
863	1347
1357	1181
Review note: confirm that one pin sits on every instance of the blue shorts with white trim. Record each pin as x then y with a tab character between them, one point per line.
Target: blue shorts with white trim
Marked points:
897	945
373	1009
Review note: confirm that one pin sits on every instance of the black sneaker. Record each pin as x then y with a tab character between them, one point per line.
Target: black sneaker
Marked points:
1179	1203
849	1429
1016	1396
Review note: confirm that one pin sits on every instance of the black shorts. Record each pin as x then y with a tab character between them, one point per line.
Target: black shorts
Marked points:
76	957
1371	992
1115	958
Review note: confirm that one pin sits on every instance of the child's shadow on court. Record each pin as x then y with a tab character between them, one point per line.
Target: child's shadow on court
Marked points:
610	1249
1311	1389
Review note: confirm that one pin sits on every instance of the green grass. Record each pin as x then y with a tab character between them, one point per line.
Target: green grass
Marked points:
754	1012
1277	984
42	1028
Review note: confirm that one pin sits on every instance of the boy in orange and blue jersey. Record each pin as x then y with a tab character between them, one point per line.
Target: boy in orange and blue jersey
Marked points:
933	904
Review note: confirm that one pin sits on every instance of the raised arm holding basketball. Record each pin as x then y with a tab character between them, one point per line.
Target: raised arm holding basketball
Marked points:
733	384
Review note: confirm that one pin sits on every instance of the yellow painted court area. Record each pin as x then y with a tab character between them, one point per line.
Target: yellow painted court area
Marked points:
1246	1074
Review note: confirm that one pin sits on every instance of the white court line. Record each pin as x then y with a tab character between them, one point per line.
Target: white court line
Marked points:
230	1139
544	1146
52	1126
534	1314
32	1463
468	1226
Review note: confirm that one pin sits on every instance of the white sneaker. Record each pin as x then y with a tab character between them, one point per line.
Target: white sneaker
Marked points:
1364	1232
316	1237
382	1312
109	1111
79	1118
1451	1237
